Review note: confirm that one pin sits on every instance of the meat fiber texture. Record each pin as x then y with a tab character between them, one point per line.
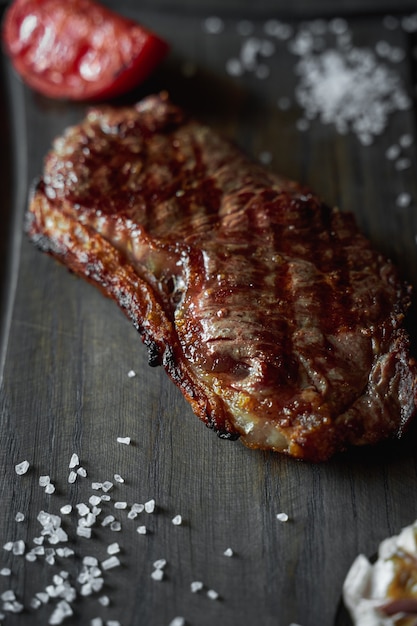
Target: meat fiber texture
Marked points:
270	311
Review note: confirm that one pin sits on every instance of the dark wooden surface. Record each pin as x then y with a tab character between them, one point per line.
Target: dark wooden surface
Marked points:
66	353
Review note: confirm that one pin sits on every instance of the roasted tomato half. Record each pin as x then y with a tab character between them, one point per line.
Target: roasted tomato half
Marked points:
78	49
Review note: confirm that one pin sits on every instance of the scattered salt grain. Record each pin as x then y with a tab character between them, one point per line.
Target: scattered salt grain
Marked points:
74	461
50	488
118	478
66	509
159	563
120	505
82	509
19	517
212	594
150	506
265	157
8	596
116	526
96	486
108	520
112	622
111	562
96	621
177	520
8	546
406	140
18	547
131	373
177	621
213	25
5	571
106	486
403	200
22	468
81	471
282	517
62	610
393	152
94	500
234	67
13	607
196	586
141	530
228	552
113	548
104	600
157	574
83	531
125	440
402	164
72	477
44	480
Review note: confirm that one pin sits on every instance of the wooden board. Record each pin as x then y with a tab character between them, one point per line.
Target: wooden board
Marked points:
66	353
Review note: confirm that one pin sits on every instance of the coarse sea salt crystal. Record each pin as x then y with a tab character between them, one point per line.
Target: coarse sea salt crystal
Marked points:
141	530
177	621
213	25
96	621
177	520
131	373
212	594
50	488
8	596
21	468
119	478
62	610
111	562
82	509
106	486
282	517
104	600
403	200
228	552
44	480
19	517
81	471
18	547
124	440
113	548
157	574
120	505
72	477
150	506
5	571
74	461
196	586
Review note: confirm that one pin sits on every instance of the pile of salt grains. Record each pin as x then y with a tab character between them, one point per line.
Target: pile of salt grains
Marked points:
351	88
355	90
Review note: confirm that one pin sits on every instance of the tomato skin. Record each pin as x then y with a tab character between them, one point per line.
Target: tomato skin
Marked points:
78	49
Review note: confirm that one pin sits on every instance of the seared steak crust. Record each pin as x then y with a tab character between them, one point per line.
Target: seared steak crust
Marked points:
270	311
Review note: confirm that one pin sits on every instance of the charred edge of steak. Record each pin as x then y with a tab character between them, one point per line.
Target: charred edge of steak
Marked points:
160	350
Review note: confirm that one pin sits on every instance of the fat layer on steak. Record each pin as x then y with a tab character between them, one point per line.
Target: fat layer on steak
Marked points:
270	311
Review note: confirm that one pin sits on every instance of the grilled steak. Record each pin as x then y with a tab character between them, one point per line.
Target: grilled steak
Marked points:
271	312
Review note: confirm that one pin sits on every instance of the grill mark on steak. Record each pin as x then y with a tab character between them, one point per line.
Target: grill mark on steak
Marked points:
270	311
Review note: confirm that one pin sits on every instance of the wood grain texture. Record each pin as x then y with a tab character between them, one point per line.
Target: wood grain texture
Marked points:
66	389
